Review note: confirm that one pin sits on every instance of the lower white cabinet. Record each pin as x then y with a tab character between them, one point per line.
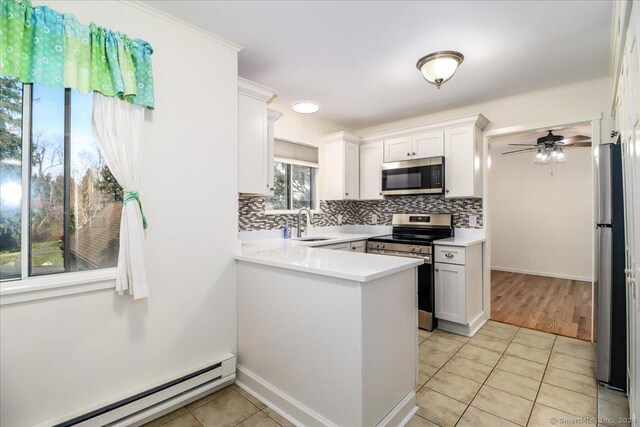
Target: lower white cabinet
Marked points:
450	292
355	246
458	287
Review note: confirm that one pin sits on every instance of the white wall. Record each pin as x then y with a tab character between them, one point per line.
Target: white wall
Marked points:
565	104
304	128
64	354
541	223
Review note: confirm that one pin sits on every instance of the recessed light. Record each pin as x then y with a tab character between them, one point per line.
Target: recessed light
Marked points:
305	107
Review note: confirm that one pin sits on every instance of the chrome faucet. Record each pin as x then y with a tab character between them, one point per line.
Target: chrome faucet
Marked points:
309	217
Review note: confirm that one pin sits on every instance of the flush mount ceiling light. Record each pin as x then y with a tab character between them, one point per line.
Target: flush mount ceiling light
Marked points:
305	107
438	67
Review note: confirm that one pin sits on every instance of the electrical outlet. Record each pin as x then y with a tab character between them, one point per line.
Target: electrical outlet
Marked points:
339	219
473	220
374	218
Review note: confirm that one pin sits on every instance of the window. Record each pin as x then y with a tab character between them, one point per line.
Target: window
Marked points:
60	205
294	187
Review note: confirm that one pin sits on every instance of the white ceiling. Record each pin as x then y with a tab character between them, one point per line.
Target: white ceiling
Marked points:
356	59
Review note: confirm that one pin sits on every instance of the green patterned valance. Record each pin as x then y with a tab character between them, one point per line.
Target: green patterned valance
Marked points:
40	45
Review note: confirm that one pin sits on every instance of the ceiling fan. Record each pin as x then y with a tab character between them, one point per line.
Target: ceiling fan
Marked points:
550	148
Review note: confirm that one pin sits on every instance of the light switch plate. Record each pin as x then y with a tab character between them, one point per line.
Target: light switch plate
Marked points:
374	218
473	220
339	219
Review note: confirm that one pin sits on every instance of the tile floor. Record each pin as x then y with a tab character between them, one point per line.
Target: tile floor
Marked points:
503	376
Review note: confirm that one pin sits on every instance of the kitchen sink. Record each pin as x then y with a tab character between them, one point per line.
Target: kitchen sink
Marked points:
313	239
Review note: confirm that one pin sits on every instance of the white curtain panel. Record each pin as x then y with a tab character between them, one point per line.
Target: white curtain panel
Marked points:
117	128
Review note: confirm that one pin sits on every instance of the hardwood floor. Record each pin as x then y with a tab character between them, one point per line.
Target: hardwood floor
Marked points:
559	306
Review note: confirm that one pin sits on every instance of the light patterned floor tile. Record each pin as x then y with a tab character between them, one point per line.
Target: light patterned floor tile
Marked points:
227	410
541	334
167	417
450	335
479	354
467	368
612	396
573	364
259	420
514	384
440	343
186	420
530	353
512	328
251	399
523	367
489	342
575	348
612	414
455	386
498	331
433	357
423	335
544	416
571	380
543	343
278	418
474	417
418	421
439	408
569	401
508	406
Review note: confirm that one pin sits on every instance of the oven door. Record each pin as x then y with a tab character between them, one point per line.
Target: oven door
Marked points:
424	176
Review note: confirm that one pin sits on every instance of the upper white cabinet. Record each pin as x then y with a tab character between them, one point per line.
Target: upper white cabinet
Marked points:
255	138
419	146
342	166
462	171
371	158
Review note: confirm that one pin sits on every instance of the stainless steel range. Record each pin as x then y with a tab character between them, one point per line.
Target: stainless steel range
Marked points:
413	236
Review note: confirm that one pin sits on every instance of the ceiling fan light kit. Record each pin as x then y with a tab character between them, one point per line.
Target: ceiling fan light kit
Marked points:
439	67
550	148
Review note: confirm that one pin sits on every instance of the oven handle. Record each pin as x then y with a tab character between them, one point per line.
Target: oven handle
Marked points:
426	258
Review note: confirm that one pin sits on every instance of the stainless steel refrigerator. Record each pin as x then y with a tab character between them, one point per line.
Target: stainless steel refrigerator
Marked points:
612	306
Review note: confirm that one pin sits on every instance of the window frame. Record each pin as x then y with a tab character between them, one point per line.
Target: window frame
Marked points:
313	190
28	288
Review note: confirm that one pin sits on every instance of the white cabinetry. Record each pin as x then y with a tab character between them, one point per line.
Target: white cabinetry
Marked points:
462	150
355	246
255	140
371	158
342	167
458	288
411	147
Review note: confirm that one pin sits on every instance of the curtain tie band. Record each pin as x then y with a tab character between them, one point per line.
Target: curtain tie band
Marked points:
130	195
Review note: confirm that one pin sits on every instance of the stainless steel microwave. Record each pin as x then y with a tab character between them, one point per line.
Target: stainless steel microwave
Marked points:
422	176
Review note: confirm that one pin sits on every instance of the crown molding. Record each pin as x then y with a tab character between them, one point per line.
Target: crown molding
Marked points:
273	114
478	120
342	136
255	90
180	23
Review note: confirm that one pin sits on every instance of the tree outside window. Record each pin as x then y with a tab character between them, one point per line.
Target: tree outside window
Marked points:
294	187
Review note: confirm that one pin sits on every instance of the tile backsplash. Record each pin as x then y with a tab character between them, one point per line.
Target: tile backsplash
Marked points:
252	211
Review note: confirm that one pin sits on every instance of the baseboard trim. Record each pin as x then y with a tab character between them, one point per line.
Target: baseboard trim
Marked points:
401	413
537	273
284	405
460	329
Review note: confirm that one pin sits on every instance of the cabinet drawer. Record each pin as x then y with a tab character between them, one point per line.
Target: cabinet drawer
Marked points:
450	254
358	246
337	246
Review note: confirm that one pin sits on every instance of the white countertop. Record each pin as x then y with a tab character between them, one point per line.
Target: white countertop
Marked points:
460	241
307	257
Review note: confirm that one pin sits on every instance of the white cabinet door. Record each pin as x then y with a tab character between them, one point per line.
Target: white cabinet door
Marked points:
397	150
351	171
358	246
371	158
450	292
337	247
460	166
429	144
253	151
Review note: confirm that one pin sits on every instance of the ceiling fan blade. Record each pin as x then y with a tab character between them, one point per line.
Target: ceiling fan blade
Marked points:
525	145
577	138
520	151
578	144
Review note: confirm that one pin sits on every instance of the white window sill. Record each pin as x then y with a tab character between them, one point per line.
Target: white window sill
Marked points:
56	285
289	212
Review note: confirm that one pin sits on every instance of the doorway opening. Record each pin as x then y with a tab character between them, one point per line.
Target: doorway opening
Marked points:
542	230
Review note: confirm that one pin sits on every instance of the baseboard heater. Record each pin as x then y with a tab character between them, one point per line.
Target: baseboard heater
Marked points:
148	404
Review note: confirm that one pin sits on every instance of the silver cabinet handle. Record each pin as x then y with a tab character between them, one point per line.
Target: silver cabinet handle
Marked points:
437	269
346	194
449	255
353	248
271	189
408	154
413	154
447	191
